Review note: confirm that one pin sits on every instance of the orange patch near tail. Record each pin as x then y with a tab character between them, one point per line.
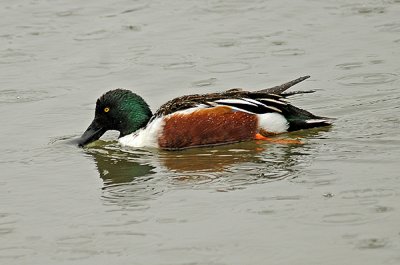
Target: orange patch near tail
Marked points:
277	141
212	126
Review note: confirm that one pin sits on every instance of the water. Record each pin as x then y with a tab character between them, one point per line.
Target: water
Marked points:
332	200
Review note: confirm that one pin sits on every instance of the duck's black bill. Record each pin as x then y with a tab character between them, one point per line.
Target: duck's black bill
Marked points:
92	133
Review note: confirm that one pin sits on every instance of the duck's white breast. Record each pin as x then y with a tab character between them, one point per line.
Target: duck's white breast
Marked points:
145	137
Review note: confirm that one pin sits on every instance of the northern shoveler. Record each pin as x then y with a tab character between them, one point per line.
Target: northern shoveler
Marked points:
200	120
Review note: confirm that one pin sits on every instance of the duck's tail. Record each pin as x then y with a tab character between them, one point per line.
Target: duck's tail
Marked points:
301	119
295	125
278	90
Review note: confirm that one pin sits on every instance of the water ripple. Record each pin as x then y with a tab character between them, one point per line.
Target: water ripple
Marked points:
367	193
68	13
344	218
288	52
11	56
7	223
227	67
390	27
166	61
21	96
206	82
369	10
224	43
140	48
350	65
232	7
135	9
15	252
249	55
367	79
372	243
181	65
362	9
94	35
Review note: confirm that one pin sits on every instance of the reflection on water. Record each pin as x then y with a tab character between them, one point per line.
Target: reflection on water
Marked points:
142	173
116	166
214	159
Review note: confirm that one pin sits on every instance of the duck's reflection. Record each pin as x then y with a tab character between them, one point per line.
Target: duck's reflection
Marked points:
117	165
131	177
212	159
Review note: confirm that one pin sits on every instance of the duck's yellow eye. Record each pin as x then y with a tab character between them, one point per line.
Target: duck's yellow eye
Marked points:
106	109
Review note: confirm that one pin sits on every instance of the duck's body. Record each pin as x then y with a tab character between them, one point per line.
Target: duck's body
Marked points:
200	120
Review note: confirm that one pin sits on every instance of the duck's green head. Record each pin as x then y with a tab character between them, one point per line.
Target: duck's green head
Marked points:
120	110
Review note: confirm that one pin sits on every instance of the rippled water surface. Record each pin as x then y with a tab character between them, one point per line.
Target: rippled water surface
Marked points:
332	200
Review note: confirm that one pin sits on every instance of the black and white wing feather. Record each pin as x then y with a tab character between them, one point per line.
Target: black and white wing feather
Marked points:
251	105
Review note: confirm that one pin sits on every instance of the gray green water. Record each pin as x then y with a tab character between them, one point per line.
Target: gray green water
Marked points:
333	200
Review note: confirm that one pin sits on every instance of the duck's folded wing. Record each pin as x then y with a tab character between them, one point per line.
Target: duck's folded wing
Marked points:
262	101
262	105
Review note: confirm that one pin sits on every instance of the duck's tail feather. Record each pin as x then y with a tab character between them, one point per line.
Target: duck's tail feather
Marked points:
302	119
288	94
300	124
282	88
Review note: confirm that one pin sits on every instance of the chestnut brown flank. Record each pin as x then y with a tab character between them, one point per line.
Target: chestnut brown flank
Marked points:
207	127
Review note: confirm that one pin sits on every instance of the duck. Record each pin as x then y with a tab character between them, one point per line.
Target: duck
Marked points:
199	120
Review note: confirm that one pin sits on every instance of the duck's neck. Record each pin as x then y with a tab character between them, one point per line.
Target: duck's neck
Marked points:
138	115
